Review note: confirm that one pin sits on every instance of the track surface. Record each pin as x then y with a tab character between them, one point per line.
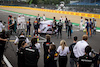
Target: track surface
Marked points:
10	53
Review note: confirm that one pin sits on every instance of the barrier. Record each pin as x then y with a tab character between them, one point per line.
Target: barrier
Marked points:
56	11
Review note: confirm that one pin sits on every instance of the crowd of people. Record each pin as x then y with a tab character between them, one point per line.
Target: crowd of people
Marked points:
29	53
90	26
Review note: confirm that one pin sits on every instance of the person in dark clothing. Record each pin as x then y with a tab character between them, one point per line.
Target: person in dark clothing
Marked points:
28	27
73	59
91	27
52	56
86	60
15	24
66	24
21	55
2	44
36	26
31	54
69	28
46	47
60	25
54	25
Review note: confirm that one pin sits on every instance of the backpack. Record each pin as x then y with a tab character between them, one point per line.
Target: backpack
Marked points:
21	39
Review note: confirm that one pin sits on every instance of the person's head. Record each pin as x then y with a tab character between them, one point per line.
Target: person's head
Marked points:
87	49
0	21
29	19
54	17
85	37
22	33
34	41
59	20
38	14
69	20
61	16
48	37
14	17
43	14
63	44
81	17
52	47
66	18
75	38
87	20
90	19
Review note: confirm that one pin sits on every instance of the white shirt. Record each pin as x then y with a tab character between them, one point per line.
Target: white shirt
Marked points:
79	48
38	46
17	39
1	26
63	52
81	21
44	18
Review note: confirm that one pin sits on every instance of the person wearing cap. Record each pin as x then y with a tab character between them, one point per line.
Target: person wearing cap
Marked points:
1	26
28	27
79	48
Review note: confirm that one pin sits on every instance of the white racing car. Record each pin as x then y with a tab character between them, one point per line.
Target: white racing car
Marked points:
46	26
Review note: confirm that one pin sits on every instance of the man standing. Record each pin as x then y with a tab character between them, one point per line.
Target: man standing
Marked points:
28	27
66	24
69	29
73	59
60	24
2	44
79	48
81	24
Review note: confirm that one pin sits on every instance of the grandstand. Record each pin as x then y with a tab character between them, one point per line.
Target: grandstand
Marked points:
87	2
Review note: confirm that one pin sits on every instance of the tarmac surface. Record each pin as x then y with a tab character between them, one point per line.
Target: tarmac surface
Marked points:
10	51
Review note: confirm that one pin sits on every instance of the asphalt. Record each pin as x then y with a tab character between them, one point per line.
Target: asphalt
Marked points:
10	51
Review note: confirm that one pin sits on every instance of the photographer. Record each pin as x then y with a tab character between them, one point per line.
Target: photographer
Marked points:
2	44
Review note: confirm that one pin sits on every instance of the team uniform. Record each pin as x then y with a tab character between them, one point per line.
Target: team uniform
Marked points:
46	47
52	59
60	25
31	56
28	27
69	29
81	24
63	56
85	61
20	40
88	28
35	24
54	25
66	24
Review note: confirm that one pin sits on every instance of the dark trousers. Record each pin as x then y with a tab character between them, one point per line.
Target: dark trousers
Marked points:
36	31
62	61
59	32
28	30
69	32
72	62
1	53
